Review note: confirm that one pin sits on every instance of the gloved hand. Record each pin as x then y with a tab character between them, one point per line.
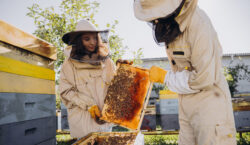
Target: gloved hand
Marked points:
157	74
103	48
120	61
96	114
94	111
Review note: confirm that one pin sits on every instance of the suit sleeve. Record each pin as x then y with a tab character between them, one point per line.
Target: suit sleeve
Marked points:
205	58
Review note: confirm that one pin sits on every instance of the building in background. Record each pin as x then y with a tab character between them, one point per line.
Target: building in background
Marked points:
230	60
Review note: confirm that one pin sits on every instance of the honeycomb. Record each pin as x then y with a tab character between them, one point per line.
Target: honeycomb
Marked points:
125	96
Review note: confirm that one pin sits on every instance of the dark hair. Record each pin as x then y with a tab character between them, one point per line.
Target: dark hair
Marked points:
79	50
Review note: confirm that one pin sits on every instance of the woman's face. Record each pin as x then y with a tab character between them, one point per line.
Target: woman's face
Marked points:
89	40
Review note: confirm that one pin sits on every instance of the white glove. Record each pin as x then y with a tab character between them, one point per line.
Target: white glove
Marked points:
178	82
139	140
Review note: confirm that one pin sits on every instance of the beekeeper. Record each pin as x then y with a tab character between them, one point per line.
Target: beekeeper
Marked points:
84	78
194	53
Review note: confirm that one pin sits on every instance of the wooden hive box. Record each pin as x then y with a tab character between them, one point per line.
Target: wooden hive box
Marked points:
27	88
149	119
108	138
127	97
169	110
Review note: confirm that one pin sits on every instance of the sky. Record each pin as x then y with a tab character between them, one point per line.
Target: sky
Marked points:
230	18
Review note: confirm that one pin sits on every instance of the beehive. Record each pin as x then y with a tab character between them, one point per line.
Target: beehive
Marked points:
108	138
169	110
149	119
126	95
27	88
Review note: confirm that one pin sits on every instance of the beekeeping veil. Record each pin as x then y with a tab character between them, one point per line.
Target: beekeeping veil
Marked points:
167	18
84	26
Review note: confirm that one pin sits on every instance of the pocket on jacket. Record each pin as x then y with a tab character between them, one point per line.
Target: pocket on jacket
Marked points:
225	134
72	111
181	53
181	57
74	114
82	83
82	86
95	73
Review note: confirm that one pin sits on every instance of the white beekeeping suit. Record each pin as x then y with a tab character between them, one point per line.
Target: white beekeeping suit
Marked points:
84	83
194	52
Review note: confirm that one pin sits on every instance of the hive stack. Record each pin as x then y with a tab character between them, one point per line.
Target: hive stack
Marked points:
169	110
27	88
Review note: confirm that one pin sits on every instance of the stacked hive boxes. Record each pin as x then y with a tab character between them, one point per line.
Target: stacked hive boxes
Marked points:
149	120
241	106
64	118
27	89
169	110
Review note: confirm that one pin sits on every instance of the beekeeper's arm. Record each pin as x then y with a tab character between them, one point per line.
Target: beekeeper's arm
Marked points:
70	96
203	62
176	82
206	53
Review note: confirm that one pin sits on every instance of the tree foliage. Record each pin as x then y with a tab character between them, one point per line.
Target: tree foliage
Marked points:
51	23
236	73
157	87
137	55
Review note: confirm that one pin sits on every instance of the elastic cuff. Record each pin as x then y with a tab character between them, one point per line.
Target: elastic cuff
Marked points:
167	76
89	106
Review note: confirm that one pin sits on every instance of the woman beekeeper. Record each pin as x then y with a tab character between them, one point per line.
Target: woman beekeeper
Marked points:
194	53
84	78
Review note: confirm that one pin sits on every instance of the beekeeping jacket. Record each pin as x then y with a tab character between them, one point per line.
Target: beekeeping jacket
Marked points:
205	108
81	86
205	114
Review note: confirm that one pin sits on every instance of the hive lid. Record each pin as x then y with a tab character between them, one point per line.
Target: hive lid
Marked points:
14	36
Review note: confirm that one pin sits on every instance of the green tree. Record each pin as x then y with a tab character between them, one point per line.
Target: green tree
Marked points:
157	87
234	74
137	55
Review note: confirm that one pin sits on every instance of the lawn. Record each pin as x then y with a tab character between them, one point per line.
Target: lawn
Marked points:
172	139
63	138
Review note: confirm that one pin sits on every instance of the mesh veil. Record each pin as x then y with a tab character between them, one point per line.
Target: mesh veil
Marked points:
166	29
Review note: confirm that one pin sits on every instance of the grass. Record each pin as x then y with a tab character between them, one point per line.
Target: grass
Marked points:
173	139
245	140
161	139
64	138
